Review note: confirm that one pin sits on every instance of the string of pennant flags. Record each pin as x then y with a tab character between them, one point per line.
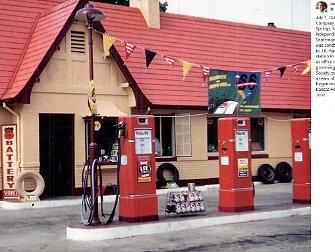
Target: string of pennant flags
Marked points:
108	42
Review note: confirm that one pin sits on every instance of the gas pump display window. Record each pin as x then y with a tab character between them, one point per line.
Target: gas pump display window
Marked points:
143	141
241	140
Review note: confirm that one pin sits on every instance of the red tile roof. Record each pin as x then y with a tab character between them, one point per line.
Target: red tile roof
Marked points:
217	44
31	29
33	26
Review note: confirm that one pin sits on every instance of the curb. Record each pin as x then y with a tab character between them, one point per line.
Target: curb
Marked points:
130	230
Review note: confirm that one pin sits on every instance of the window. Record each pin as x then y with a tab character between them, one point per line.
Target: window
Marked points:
257	134
105	137
163	135
212	134
183	135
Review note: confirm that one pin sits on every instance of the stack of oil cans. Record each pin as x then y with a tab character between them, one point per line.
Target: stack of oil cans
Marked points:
191	201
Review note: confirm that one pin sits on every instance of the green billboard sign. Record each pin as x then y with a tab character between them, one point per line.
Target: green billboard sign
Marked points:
232	92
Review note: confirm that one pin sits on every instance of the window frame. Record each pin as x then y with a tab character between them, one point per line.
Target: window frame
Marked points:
182	134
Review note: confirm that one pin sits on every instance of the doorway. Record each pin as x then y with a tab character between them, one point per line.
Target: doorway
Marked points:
57	154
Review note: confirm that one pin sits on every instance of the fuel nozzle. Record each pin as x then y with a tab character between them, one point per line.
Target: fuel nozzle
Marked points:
121	129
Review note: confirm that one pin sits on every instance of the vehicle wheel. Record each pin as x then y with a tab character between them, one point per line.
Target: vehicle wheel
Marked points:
283	172
160	174
266	173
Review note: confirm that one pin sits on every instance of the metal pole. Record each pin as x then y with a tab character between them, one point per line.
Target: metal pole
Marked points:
93	147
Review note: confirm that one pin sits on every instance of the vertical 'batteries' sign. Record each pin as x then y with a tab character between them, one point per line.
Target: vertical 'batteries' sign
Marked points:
9	156
232	92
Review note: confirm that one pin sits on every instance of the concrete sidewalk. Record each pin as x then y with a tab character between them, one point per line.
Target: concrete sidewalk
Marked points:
271	201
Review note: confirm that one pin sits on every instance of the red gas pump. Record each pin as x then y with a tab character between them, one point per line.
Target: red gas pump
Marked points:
301	159
138	198
236	189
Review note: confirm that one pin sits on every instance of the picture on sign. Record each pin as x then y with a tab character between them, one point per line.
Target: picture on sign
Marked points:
144	172
232	92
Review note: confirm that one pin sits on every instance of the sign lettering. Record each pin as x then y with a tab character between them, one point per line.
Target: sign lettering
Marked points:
9	154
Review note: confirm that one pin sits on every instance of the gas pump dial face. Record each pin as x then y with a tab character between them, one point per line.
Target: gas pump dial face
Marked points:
143	141
241	140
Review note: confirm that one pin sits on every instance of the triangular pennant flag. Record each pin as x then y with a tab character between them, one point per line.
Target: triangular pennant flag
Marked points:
296	66
308	68
186	68
205	72
169	60
282	70
149	56
107	42
267	74
129	49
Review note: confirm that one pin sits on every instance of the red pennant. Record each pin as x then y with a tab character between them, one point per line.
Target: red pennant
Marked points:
205	72
267	74
169	60
129	49
296	66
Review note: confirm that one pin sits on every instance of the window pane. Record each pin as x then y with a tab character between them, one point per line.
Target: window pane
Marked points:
257	134
183	135
212	134
166	136
163	135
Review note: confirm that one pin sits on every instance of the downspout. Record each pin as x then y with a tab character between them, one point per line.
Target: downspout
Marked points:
18	161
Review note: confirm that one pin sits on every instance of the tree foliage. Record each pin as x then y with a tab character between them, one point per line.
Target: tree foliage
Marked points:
162	6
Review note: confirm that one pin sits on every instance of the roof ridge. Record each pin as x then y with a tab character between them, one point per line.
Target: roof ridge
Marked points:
58	7
22	54
114	6
219	21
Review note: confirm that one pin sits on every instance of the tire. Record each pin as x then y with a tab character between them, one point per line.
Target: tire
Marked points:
160	174
266	173
283	172
29	174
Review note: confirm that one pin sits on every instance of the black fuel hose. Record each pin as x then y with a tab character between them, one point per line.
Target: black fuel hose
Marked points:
86	199
111	217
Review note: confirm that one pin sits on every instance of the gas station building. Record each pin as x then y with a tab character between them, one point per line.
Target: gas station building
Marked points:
44	88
